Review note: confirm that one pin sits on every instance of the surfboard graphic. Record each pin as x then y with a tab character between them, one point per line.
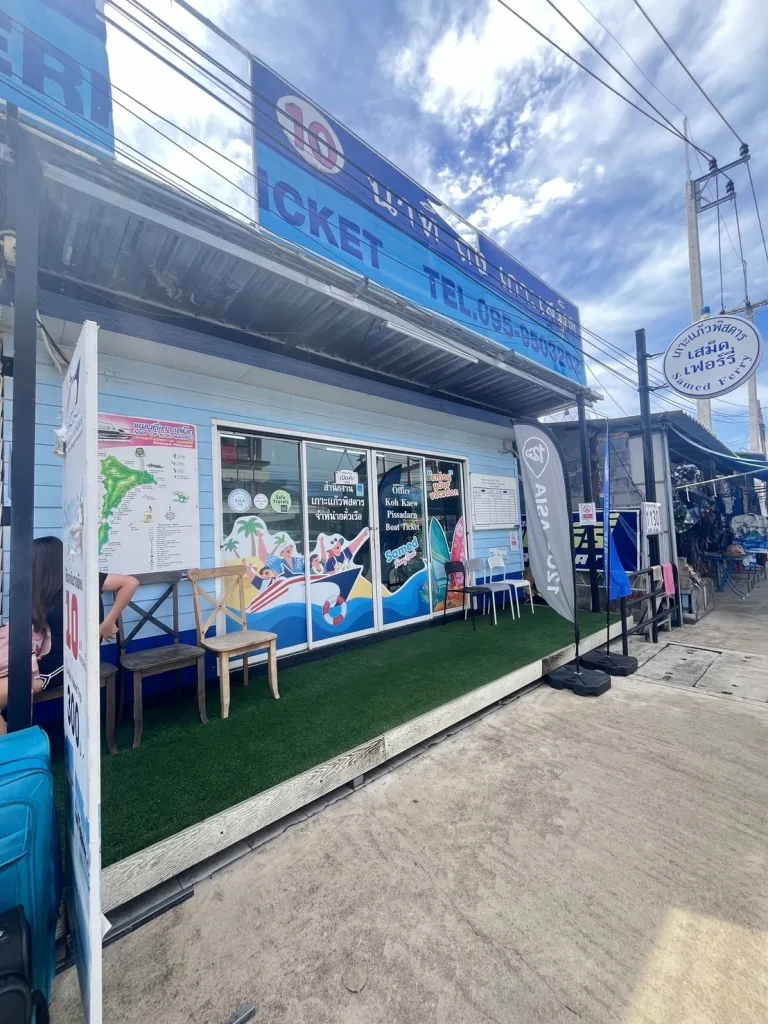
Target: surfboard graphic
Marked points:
441	554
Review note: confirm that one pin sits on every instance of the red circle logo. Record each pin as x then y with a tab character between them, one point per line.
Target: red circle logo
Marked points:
310	134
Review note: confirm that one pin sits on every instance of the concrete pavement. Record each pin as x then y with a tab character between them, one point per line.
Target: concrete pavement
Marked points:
563	859
734	623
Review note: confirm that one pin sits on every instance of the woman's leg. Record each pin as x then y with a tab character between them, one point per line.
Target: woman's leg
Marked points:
3	702
37	686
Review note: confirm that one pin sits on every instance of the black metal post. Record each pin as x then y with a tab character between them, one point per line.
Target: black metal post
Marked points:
678	597
644	390
586	478
27	186
607	536
624	637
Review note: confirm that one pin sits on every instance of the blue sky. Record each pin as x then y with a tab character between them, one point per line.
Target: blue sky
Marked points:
468	101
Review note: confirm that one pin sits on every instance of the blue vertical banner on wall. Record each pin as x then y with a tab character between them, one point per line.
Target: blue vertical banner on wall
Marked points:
616	580
54	67
322	188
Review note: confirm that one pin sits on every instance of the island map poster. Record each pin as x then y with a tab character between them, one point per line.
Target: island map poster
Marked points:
149	517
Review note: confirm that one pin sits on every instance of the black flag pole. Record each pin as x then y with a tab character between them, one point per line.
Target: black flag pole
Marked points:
607	536
551	547
614	664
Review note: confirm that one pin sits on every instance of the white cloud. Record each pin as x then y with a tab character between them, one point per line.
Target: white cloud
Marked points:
160	113
502	213
465	70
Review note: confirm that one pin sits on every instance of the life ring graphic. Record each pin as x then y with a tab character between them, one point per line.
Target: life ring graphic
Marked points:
334	612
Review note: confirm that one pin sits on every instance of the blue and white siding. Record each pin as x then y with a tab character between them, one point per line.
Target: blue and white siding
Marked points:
159	380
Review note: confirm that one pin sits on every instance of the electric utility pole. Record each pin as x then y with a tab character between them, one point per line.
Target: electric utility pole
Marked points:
703	406
694	205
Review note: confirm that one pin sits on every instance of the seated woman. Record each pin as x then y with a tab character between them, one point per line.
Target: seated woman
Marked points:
48	616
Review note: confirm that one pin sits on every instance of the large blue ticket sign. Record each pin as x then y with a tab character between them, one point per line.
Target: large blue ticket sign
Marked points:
322	188
53	66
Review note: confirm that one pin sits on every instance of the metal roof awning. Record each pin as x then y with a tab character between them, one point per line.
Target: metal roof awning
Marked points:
112	236
689	441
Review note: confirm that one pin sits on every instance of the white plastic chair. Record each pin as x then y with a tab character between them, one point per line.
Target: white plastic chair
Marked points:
496	565
476	566
514	585
521	585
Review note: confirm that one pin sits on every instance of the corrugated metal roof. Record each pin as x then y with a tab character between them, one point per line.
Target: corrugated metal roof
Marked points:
110	234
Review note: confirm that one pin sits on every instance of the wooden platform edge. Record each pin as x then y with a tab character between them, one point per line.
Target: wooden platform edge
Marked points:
162	861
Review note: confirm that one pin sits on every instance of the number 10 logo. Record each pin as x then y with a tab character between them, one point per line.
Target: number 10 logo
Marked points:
310	134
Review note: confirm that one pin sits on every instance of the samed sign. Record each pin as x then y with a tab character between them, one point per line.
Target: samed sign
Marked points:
713	356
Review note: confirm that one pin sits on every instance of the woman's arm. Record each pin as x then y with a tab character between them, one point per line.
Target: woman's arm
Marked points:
123	587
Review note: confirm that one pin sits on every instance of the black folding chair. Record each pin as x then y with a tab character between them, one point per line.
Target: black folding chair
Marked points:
471	590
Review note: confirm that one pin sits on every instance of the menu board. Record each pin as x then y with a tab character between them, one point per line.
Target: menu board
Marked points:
149	516
494	502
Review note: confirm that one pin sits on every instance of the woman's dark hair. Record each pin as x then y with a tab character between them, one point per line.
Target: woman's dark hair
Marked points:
47	578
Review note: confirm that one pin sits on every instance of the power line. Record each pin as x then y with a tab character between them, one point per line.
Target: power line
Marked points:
676	132
626	51
612	66
741	247
757	211
195	65
583	353
162	173
144	159
600	344
612	397
685	69
535	319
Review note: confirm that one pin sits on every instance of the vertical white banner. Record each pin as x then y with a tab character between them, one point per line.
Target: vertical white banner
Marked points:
82	730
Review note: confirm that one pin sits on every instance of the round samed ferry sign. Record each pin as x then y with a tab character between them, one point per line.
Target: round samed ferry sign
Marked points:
713	356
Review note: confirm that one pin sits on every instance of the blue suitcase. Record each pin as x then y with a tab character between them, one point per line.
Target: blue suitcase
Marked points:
30	854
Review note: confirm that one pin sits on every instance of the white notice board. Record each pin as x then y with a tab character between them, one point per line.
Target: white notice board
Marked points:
494	502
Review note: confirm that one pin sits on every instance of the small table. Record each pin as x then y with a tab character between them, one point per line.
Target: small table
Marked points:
725	565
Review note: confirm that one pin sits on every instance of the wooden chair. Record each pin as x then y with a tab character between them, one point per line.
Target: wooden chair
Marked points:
153	661
231	645
107	677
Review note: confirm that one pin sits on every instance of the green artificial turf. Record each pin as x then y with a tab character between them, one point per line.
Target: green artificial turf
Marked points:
185	771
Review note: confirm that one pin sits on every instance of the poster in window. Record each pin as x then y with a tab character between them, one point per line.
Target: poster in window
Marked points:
267	538
149	510
403	558
447	533
338	525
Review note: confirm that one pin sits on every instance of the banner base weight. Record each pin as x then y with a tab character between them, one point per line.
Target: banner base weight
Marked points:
613	664
587	682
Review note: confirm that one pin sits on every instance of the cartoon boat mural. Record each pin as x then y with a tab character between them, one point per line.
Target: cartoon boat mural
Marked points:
328	593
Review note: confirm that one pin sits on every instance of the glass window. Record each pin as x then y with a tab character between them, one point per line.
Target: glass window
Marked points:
402	535
263	528
447	530
338	515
